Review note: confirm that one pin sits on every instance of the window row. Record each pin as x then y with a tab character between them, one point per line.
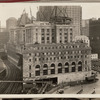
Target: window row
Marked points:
52	71
61	47
61	57
60	53
61	29
56	53
73	64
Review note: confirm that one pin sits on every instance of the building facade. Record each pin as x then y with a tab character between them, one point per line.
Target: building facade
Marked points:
94	56
85	27
48	51
94	36
42	33
72	61
82	38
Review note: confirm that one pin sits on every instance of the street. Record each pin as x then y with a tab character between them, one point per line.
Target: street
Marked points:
87	88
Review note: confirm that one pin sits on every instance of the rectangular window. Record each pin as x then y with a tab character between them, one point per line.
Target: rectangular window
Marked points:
29	67
70	29
42	30
36	29
60	33
48	30
65	33
47	38
59	70
52	30
66	70
65	41
37	73
42	38
73	69
30	60
45	72
29	74
29	54
60	29
52	71
70	33
42	33
35	59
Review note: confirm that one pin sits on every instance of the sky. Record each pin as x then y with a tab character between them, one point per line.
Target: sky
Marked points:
89	10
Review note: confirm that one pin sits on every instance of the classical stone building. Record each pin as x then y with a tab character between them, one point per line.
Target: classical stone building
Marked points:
42	32
72	61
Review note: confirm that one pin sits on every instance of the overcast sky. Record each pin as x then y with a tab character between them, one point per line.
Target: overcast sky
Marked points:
89	10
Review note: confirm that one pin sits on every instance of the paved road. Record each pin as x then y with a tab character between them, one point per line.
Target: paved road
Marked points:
12	74
87	88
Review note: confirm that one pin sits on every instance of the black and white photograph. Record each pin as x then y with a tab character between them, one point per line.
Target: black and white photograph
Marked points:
50	48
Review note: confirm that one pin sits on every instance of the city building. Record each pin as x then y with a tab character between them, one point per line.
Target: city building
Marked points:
10	23
72	61
94	56
85	27
42	32
94	35
90	28
45	13
50	60
46	50
95	65
83	39
4	37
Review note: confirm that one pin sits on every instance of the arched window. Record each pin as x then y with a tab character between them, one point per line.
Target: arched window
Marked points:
73	67
45	69
37	66
60	68
52	68
66	64
60	65
52	65
79	66
66	67
45	66
37	70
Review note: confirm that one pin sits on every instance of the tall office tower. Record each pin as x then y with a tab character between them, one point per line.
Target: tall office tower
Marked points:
75	12
94	35
85	27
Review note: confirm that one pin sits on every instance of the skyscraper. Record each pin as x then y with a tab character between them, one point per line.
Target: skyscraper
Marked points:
75	12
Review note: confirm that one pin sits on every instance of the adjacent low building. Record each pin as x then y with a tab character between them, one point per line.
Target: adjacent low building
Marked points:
94	56
83	39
